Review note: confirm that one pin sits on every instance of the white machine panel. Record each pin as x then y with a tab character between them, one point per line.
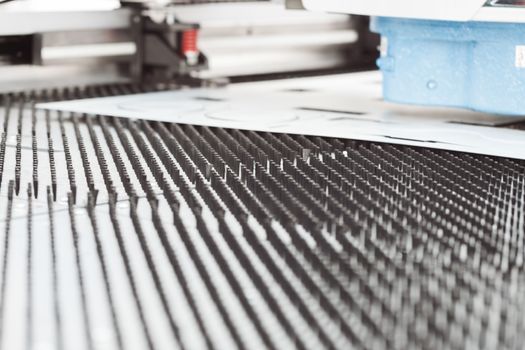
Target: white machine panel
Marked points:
27	6
464	10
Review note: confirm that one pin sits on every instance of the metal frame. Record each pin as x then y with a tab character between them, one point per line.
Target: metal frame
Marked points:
24	23
157	56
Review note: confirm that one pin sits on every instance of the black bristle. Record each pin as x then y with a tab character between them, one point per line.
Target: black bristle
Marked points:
244	239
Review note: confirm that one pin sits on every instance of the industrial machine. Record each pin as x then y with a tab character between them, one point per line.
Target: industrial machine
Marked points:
154	42
467	54
123	233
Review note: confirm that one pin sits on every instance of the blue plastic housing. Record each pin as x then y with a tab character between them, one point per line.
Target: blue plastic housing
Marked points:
475	65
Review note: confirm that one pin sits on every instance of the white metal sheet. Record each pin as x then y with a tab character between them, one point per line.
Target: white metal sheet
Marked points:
343	106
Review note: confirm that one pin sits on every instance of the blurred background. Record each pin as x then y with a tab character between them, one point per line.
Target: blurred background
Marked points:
82	42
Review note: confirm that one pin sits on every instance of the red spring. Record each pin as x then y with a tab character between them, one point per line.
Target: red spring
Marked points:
189	41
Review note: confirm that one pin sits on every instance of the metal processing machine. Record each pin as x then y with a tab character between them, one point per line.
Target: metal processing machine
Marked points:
467	54
134	234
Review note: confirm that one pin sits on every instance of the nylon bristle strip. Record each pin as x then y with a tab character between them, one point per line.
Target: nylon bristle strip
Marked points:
155	235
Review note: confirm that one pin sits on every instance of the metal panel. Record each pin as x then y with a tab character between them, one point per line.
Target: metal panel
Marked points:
463	10
30	22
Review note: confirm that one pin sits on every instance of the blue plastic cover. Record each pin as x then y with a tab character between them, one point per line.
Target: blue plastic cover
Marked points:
475	65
